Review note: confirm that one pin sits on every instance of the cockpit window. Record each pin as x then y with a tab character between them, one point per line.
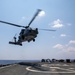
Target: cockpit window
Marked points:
22	30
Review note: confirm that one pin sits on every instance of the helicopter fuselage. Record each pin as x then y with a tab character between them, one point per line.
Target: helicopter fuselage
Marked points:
27	34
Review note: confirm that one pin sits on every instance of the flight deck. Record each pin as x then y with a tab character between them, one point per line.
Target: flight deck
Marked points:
38	69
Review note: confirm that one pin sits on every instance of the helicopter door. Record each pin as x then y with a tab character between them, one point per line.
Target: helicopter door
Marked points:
21	34
26	32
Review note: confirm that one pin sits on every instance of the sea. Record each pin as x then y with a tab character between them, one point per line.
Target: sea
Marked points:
3	62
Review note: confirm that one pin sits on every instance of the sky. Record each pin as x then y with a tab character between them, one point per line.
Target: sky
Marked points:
56	14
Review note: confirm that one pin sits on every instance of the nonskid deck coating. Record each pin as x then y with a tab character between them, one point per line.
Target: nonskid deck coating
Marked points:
52	69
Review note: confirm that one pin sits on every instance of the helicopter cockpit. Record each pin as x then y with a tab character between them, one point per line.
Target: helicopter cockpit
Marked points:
22	31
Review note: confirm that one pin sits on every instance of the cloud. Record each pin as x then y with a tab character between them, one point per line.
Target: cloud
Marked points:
42	13
63	35
57	24
68	47
69	24
72	42
58	46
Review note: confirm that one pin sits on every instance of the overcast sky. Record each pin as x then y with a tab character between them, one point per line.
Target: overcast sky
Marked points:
56	14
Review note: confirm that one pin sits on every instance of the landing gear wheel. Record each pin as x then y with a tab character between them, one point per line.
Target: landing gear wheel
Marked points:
20	44
28	40
33	40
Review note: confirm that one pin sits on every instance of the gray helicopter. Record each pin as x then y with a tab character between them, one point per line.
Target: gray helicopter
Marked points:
27	33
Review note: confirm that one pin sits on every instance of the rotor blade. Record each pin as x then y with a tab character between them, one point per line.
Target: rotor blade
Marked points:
12	24
34	17
47	29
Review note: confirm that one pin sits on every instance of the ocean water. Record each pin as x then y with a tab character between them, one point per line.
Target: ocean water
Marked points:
16	61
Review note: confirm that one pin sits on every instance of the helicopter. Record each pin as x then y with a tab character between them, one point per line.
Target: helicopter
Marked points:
27	33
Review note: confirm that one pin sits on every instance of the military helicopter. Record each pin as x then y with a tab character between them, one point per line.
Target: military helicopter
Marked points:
27	33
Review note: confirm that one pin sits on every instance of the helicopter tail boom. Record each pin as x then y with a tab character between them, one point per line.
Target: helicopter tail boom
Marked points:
15	43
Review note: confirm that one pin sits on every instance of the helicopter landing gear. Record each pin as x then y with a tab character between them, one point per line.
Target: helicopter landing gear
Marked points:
33	40
15	39
20	44
28	40
15	42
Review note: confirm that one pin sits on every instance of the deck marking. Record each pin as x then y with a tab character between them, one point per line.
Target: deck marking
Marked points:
29	69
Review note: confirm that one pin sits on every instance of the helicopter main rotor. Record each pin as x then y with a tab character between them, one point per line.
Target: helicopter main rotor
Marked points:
36	14
23	26
12	24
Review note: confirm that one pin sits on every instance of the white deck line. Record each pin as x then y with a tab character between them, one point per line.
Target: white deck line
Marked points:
29	69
